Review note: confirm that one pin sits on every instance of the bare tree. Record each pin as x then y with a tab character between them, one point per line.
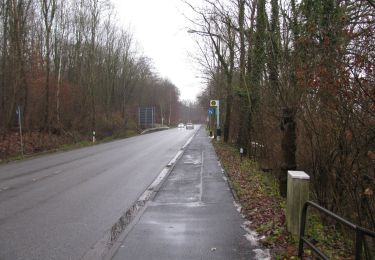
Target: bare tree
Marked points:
48	8
217	24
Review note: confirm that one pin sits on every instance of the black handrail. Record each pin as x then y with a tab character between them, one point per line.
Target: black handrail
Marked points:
359	231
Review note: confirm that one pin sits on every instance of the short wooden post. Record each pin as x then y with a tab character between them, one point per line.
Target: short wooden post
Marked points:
297	195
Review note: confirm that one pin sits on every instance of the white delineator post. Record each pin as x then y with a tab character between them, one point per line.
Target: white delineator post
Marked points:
18	111
297	195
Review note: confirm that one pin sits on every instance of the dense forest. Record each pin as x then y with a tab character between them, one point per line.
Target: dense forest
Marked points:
296	81
70	70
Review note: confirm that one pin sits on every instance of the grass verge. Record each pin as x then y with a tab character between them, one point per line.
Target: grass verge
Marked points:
260	200
262	205
41	145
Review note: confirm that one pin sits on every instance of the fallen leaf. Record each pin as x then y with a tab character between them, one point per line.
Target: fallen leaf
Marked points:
371	155
368	192
349	135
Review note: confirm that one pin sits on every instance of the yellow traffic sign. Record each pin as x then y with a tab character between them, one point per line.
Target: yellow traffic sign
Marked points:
214	103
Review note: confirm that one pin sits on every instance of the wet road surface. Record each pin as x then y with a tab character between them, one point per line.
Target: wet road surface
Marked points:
58	206
193	216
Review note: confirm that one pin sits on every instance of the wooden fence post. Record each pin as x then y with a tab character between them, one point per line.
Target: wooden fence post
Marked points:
297	195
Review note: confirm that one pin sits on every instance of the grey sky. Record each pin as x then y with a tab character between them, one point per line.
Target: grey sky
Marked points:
160	30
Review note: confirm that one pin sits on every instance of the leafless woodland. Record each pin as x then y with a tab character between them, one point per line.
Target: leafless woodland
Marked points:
296	80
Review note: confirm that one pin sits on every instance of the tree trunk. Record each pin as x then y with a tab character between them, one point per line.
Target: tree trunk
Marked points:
48	11
242	134
288	145
228	109
46	105
5	7
58	92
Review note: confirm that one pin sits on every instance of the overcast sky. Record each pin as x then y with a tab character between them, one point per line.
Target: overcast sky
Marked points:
159	27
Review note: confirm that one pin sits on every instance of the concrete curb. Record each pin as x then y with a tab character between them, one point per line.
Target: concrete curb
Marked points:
156	129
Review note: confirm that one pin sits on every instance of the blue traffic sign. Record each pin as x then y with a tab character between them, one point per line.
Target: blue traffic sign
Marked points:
211	111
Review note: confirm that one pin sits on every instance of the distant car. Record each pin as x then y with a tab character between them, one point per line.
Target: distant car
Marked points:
181	125
189	126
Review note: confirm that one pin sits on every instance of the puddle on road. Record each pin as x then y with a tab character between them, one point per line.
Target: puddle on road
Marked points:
189	159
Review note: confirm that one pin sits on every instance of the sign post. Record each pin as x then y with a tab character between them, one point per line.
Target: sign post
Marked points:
211	112
216	104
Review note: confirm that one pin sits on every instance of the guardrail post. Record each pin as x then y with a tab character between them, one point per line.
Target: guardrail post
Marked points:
297	195
302	230
358	244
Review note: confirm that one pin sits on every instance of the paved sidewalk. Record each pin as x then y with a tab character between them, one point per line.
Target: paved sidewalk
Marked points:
193	215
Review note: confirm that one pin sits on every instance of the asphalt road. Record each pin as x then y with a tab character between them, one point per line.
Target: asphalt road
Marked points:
58	206
192	216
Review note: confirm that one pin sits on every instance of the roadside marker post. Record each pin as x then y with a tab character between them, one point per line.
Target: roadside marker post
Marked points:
18	112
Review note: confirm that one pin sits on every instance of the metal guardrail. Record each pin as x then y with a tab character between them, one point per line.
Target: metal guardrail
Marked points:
360	232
